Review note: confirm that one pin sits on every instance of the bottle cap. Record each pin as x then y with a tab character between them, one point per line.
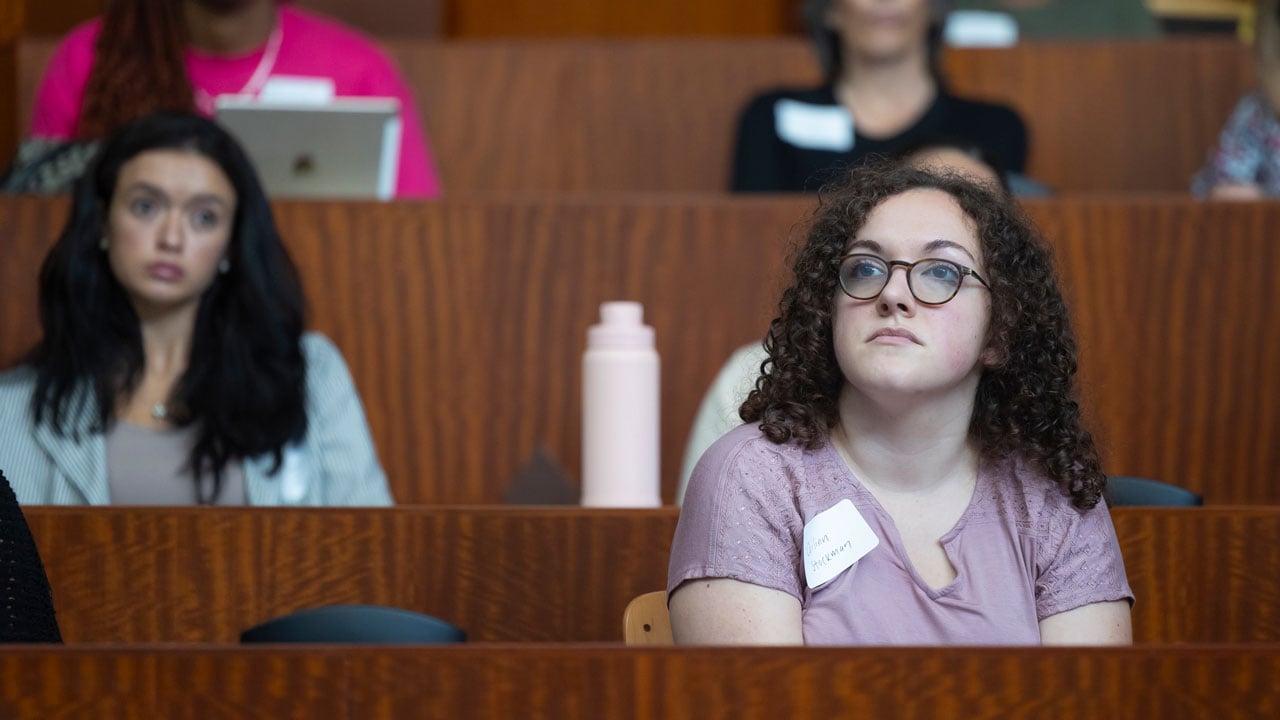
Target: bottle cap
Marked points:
621	328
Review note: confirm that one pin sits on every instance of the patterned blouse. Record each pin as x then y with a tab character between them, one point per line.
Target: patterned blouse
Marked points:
1248	151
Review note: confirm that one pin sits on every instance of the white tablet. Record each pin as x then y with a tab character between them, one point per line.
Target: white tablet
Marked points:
347	148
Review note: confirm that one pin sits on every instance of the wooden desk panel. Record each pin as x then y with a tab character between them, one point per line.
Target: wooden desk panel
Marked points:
660	114
43	683
205	575
464	322
669	683
535	575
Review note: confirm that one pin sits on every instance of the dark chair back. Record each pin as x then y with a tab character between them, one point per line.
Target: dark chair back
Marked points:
355	624
1123	490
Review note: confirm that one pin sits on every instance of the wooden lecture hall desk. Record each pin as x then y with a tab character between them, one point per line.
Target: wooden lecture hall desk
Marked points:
659	114
464	322
589	682
551	574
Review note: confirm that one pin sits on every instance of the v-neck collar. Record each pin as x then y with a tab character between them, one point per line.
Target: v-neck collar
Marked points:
895	537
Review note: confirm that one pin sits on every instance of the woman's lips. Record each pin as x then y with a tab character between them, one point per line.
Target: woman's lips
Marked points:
165	271
894	335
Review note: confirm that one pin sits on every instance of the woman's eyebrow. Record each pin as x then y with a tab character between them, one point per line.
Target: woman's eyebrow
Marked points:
941	244
871	245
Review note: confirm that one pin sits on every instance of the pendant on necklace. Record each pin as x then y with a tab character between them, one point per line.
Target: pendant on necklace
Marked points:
159	412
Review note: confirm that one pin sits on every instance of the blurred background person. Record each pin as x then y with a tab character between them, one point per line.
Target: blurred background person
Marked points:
1246	163
173	367
180	55
883	93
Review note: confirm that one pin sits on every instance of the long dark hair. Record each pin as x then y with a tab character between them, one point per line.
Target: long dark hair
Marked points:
244	386
1026	399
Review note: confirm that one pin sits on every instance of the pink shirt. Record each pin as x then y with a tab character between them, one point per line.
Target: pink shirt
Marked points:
1020	550
310	46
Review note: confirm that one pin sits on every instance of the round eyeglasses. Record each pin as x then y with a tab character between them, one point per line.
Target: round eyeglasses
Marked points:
932	281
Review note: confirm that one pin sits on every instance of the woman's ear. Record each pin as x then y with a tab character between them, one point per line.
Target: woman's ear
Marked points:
991	357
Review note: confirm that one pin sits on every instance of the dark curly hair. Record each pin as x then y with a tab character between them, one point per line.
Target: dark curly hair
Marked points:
1025	405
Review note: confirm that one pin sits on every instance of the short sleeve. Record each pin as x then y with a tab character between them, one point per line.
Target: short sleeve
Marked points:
740	519
56	110
1241	149
1081	564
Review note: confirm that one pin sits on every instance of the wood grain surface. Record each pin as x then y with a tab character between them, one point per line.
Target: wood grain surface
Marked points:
464	322
538	682
660	114
534	575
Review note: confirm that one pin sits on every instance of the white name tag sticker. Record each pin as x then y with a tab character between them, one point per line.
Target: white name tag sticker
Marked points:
814	127
834	540
298	90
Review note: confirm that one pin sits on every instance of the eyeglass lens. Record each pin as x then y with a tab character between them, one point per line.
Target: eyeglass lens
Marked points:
931	281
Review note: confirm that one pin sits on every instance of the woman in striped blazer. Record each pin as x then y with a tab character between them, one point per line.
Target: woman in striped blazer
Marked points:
174	368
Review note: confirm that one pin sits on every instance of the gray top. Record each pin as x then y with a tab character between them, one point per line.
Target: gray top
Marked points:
149	467
1021	551
333	465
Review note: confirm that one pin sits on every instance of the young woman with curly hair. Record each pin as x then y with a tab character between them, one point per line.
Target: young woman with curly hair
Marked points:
913	469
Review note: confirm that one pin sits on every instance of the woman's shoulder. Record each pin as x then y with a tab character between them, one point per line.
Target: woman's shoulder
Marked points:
1020	490
981	112
320	354
81	40
16	384
745	461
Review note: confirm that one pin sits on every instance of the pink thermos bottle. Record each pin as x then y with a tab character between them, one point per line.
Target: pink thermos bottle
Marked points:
620	445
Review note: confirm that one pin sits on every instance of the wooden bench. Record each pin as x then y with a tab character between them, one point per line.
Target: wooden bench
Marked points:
589	682
1205	575
464	322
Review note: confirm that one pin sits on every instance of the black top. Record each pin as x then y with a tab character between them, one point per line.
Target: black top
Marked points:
26	603
765	162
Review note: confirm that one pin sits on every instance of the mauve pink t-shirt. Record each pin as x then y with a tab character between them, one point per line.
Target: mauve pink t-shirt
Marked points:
310	47
1020	550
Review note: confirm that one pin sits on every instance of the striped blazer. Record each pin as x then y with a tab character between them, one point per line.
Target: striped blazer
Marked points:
335	464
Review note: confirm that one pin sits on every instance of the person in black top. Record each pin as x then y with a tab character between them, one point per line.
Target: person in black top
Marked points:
883	93
26	603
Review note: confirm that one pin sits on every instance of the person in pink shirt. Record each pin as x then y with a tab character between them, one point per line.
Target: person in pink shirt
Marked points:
143	56
914	469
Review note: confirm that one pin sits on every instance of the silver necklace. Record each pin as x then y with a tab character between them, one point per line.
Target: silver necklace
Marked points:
159	412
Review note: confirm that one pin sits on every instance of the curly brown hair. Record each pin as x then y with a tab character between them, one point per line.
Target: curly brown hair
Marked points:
1026	404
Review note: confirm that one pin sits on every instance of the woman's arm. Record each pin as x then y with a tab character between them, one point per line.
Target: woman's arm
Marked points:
1104	623
719	611
1236	191
337	430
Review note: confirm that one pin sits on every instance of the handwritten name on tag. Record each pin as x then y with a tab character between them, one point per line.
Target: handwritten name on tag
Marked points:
834	540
